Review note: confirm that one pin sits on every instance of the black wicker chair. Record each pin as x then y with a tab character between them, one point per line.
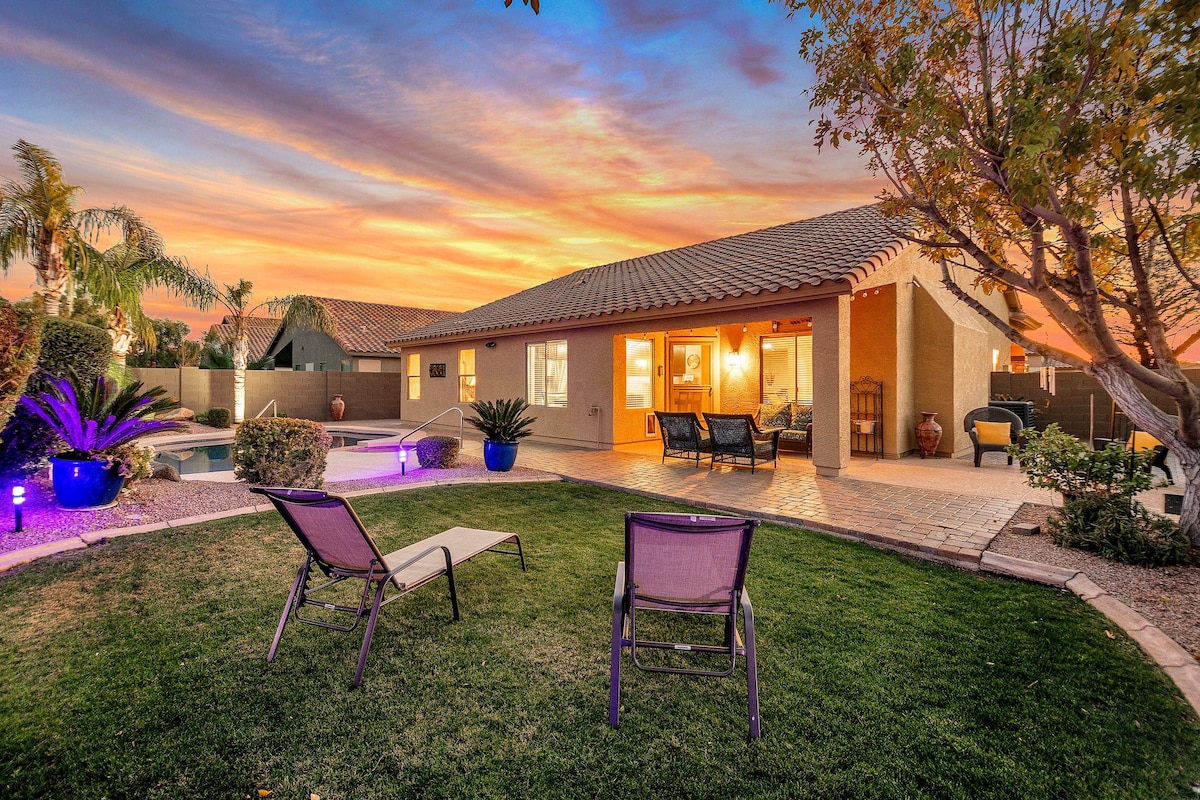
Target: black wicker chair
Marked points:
992	414
682	436
736	438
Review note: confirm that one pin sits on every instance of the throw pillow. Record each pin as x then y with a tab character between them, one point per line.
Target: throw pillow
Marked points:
801	416
772	416
993	432
1140	440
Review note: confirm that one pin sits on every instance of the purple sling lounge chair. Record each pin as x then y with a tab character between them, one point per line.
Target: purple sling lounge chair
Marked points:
691	564
339	546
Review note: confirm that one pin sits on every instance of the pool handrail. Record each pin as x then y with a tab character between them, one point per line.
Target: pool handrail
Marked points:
400	444
274	413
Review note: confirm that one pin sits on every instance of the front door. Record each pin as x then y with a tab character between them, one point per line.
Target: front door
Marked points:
690	383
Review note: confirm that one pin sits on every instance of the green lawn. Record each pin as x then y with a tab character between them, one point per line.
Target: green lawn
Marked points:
138	670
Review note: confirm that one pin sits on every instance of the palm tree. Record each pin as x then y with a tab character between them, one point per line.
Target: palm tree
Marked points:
117	277
299	311
39	221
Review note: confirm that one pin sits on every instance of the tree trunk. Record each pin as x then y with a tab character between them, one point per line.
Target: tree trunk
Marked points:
122	336
1189	515
241	349
52	275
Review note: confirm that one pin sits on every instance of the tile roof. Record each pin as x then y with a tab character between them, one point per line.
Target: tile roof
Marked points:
365	328
260	332
843	246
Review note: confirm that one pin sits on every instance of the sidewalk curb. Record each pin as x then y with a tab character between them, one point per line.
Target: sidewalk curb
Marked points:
1177	663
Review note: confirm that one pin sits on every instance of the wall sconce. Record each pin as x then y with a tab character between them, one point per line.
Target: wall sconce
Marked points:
774	326
734	359
18	500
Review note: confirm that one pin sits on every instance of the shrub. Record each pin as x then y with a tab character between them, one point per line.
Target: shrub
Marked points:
281	452
26	441
20	343
219	417
501	420
438	452
1119	528
1053	459
137	462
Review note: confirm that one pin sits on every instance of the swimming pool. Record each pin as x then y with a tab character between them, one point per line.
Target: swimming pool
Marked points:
204	456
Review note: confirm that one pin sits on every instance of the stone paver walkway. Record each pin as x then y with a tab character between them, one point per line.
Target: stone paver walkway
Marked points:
936	524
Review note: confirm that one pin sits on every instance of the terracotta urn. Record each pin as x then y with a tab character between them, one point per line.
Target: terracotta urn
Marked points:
929	434
337	407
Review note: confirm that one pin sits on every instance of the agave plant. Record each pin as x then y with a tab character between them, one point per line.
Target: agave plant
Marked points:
92	423
501	420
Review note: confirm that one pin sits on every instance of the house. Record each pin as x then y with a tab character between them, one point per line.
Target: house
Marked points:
260	332
797	311
359	343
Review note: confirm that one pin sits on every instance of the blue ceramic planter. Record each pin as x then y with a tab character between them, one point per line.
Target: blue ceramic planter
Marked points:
499	456
85	485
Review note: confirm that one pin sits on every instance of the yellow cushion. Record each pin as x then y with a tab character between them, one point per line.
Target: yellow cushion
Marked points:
1142	441
993	432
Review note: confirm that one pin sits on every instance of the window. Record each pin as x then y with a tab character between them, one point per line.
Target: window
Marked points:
787	369
413	374
466	376
639	390
369	365
546	374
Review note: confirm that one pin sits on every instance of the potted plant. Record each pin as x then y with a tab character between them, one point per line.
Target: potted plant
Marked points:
94	425
502	425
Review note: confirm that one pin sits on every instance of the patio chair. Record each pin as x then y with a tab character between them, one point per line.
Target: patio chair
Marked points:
991	436
339	546
683	436
736	438
690	564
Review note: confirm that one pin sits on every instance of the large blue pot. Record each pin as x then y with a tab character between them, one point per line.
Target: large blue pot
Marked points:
85	485
499	456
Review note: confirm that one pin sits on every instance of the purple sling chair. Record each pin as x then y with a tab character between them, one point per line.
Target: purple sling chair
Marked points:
339	547
684	563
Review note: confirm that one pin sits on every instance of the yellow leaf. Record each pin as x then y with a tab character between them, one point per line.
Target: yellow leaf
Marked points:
264	792
314	796
1109	634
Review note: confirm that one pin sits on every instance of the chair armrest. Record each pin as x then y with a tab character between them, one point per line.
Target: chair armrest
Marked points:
619	590
398	569
747	607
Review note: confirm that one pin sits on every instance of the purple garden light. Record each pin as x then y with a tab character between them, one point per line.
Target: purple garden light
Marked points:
18	500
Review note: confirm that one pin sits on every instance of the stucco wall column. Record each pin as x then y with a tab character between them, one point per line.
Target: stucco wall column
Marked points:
831	385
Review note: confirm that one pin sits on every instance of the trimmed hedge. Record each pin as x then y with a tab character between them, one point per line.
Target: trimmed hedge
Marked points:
219	417
438	452
26	441
281	451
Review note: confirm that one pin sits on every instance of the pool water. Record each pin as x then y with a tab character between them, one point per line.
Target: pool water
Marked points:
202	458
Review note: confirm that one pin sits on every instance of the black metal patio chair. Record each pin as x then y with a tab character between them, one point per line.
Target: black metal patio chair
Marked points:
992	444
736	439
683	436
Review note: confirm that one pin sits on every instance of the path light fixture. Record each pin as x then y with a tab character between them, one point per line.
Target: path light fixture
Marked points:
18	500
402	457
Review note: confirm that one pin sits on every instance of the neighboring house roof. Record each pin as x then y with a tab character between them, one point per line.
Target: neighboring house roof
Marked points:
260	332
843	246
364	329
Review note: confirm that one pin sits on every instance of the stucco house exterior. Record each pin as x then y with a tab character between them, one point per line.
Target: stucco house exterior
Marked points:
359	343
796	311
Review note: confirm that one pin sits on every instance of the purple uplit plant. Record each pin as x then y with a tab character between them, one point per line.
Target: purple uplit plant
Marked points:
92	423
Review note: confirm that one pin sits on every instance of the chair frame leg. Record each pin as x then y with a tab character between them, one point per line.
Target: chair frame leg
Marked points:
301	576
751	667
618	626
366	645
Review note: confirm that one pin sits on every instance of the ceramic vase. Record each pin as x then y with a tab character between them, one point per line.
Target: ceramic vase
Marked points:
337	407
929	434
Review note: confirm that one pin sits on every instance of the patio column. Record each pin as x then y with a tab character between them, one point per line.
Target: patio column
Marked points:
831	385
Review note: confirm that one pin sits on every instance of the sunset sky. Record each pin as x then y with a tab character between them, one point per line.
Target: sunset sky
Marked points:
437	154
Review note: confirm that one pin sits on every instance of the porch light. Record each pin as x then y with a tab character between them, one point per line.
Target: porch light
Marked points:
734	359
18	500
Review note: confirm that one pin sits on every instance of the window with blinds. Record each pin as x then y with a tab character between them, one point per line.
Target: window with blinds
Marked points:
413	375
787	369
639	357
546	374
466	376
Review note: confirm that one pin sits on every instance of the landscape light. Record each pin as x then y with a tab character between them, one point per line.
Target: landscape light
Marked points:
402	457
18	500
